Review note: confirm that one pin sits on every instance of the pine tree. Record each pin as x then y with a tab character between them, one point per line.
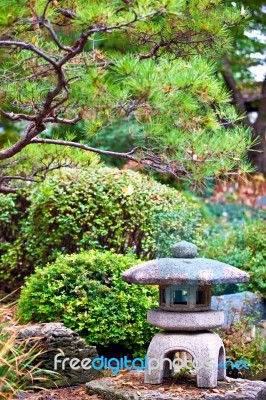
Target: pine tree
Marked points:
150	64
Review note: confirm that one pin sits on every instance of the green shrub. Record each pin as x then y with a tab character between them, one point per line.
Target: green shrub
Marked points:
13	209
100	208
85	291
243	344
244	247
13	206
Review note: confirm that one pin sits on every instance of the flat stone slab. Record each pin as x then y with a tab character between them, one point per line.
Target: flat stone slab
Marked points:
170	271
129	385
185	321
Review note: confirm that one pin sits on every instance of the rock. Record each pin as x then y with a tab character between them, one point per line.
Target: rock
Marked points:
262	325
255	390
232	304
128	389
184	249
55	338
107	390
261	202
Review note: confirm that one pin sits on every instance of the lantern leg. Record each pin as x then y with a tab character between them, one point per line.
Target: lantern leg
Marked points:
221	364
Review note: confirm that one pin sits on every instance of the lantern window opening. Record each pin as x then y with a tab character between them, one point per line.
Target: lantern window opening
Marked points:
163	297
180	296
201	297
185	297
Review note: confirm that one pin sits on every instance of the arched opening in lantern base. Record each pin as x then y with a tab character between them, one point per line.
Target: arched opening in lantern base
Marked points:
178	363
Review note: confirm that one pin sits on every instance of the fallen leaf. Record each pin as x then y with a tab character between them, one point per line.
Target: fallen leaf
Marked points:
128	190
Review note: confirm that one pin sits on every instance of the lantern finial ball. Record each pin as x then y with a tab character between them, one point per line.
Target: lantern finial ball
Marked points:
184	249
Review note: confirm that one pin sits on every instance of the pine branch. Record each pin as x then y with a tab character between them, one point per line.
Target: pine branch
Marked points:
144	157
30	47
65	121
48	26
29	133
37	121
82	146
7	190
38	175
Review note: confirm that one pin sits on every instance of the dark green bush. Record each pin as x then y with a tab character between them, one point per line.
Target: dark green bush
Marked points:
244	247
86	292
13	206
100	208
13	209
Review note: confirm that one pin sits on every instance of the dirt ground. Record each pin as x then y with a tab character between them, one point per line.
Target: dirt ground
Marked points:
68	393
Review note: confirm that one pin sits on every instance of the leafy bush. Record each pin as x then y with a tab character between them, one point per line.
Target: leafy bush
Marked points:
243	344
13	209
99	208
18	369
13	206
86	292
244	247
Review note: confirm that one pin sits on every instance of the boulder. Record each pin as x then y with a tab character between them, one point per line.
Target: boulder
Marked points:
232	304
56	339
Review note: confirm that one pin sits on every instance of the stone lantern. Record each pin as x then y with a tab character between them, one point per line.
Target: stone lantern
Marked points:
185	312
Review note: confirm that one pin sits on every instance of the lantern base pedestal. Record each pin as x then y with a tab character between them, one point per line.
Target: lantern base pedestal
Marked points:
205	347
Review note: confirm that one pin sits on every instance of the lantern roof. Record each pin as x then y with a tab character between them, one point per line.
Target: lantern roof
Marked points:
184	268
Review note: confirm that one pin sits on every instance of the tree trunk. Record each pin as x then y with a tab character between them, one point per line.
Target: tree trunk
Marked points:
238	98
258	157
259	130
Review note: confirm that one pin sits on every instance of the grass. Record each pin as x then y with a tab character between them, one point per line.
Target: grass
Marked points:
19	366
